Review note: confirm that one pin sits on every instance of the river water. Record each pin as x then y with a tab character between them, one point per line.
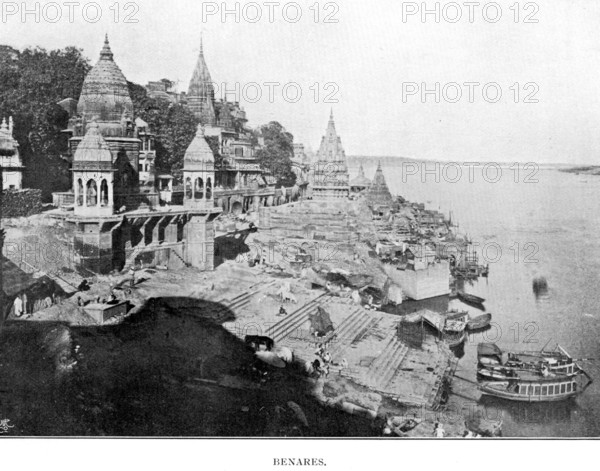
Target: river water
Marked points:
528	224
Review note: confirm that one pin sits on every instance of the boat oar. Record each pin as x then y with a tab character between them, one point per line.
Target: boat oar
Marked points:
465	379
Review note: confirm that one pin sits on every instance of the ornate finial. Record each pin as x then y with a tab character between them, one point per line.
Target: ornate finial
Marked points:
4	127
10	124
106	52
201	44
331	115
200	132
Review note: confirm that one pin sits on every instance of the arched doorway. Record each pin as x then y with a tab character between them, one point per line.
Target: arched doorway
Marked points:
236	208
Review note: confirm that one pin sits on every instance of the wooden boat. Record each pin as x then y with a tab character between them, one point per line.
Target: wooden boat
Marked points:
493	363
480	322
541	389
455	328
470	299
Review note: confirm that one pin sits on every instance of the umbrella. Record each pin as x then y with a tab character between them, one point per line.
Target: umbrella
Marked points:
271	358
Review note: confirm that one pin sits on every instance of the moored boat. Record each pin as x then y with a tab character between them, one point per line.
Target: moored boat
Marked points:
493	363
480	322
455	328
470	299
543	389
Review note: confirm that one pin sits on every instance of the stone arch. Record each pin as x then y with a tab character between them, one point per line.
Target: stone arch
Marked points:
209	189
199	189
237	208
104	192
91	193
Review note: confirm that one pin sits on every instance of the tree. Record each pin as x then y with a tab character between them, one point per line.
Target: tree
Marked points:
174	125
275	156
33	82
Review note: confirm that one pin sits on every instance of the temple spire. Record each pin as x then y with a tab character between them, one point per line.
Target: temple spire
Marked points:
201	44
106	52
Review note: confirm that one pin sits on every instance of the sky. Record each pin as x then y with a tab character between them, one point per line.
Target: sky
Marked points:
370	67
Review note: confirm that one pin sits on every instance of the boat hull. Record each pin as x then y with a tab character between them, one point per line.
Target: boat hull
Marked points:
526	398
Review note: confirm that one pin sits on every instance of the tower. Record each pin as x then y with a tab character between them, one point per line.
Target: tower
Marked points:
93	175
199	173
330	178
201	92
199	177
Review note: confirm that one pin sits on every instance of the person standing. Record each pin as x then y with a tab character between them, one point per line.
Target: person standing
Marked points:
131	277
18	306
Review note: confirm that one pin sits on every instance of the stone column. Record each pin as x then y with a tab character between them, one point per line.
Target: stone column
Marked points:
199	245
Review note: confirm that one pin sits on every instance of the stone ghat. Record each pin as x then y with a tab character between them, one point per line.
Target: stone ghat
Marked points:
321	222
377	359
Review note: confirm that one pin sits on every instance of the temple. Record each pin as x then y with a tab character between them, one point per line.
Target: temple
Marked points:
361	182
330	173
114	206
10	159
378	193
201	92
240	183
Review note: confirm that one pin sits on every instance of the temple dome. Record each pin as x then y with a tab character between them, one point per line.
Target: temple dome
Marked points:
93	148
105	94
361	181
199	153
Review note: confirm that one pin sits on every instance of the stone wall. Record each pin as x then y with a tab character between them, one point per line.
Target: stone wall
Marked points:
325	221
21	203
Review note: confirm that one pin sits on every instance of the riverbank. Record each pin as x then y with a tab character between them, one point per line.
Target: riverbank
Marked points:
383	380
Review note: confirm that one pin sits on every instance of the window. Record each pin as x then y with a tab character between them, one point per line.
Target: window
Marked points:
199	189
104	193
209	189
563	388
544	390
537	391
92	193
140	168
569	387
188	188
551	390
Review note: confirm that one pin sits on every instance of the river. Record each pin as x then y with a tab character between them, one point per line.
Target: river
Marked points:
528	223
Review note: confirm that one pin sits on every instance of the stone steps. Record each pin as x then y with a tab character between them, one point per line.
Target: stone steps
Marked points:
380	362
348	331
388	375
283	328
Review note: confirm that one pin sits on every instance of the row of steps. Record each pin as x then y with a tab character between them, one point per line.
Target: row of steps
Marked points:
389	374
241	300
381	361
348	331
283	328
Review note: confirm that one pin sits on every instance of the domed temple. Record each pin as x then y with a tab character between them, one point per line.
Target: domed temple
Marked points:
361	182
114	204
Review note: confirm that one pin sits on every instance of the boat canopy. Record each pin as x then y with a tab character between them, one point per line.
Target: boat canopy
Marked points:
489	349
